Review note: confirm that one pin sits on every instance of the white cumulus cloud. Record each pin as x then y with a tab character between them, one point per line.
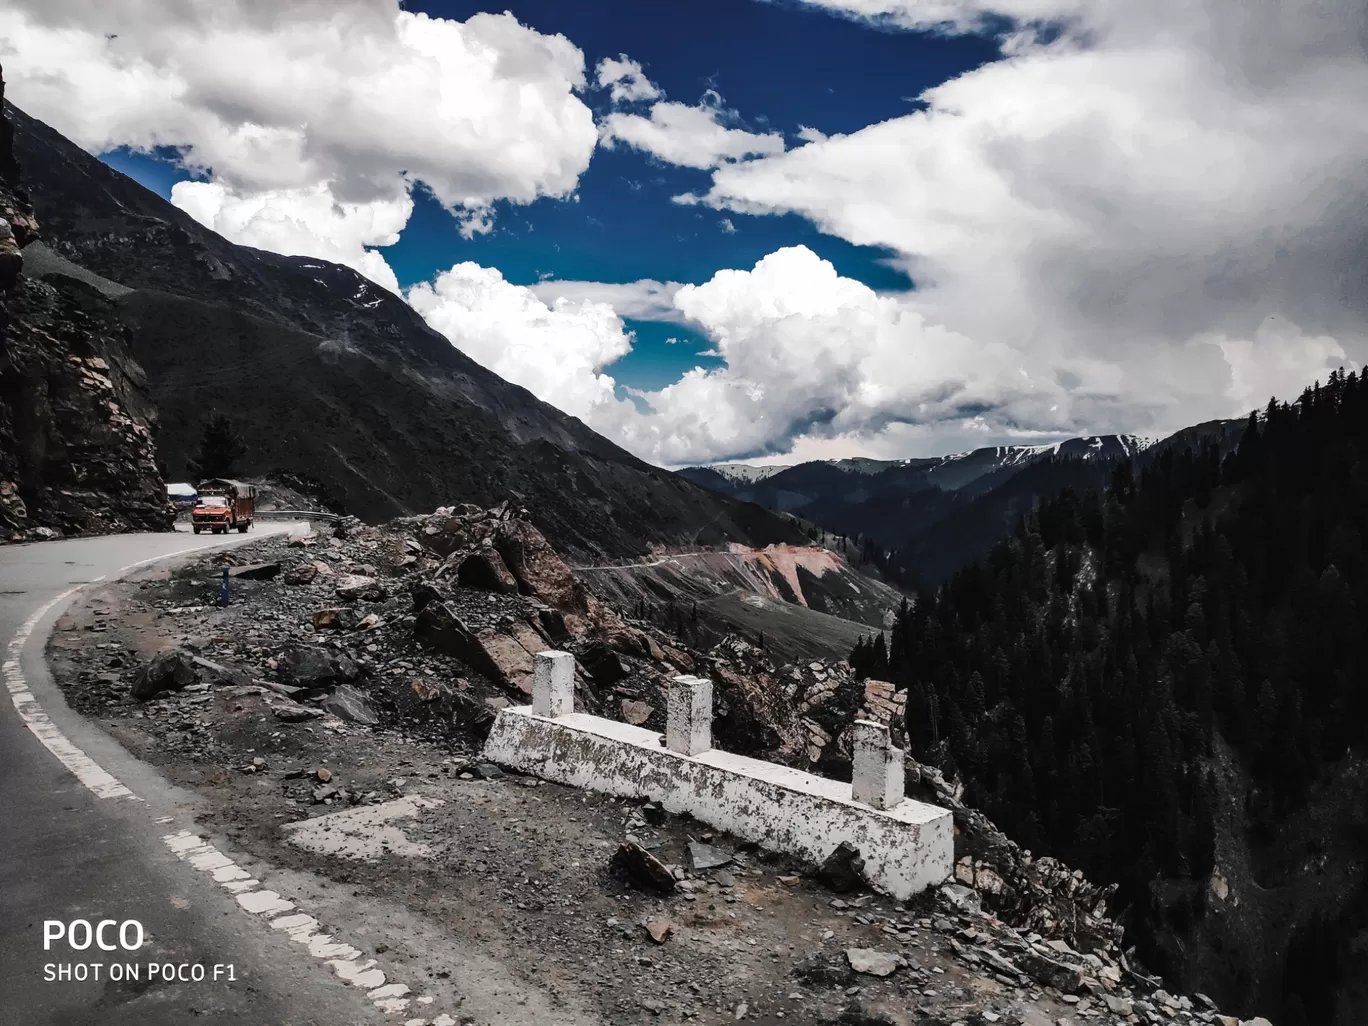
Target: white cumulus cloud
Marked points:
282	105
556	350
644	300
625	80
704	135
1151	212
304	222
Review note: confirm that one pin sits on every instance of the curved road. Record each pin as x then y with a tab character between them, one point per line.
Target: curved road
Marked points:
66	854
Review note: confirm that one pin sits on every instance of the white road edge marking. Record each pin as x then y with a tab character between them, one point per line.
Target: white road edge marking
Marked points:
344	960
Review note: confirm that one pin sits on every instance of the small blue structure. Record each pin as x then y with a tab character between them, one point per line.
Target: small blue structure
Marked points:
182	495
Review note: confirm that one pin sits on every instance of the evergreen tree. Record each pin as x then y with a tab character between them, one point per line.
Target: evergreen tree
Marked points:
1078	676
220	448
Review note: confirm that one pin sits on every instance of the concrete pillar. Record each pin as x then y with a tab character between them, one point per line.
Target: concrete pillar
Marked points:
688	715
553	684
877	778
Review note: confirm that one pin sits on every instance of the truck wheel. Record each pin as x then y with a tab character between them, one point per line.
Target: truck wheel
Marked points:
242	528
196	528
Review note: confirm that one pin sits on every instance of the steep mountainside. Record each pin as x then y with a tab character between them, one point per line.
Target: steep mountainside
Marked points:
76	421
327	375
1165	684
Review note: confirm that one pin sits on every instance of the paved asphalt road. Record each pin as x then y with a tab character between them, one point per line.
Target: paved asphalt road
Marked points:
66	854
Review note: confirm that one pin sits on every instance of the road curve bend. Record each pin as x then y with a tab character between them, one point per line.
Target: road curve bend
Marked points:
79	845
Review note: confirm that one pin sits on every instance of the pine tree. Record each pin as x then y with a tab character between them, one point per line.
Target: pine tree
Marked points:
220	448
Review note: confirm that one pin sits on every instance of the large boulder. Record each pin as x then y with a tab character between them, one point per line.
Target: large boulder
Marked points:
485	569
165	671
437	627
538	568
349	704
601	663
315	666
504	656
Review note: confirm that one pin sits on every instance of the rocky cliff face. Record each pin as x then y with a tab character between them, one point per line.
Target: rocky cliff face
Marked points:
76	423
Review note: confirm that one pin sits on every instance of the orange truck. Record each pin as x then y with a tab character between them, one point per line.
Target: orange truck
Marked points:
223	505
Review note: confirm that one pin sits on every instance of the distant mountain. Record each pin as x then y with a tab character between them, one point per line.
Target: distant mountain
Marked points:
331	378
744	473
804	483
924	518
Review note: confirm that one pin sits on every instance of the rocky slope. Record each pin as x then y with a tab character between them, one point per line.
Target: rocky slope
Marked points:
349	671
802	600
76	419
326	374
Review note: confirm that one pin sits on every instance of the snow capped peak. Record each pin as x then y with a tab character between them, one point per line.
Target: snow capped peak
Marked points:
744	473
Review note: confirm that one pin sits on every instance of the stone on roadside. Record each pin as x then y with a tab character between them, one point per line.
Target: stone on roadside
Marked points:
704	857
303	574
659	929
293	712
314	666
872	962
843	869
358	586
1049	973
165	671
215	673
961	898
642	869
349	704
334	618
636	713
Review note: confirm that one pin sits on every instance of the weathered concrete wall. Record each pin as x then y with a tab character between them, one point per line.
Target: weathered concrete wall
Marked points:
906	848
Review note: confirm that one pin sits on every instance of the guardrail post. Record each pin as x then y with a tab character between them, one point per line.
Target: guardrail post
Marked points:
553	684
688	715
877	773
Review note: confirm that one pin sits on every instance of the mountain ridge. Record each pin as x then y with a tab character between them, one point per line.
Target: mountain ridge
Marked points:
329	375
920	519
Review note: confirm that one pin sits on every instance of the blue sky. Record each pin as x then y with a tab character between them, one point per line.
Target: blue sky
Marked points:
899	235
780	66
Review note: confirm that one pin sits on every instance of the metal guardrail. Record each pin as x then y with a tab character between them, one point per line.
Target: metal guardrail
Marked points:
297	514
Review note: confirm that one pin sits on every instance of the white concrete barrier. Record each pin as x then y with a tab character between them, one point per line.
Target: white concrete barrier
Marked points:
907	847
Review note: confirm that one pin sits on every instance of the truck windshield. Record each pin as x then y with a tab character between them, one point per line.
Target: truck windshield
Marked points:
214	500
